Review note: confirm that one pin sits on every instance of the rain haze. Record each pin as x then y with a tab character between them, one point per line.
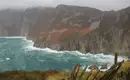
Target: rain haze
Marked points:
99	4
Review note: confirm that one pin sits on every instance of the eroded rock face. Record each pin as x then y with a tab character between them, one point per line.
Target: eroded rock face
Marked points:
63	39
16	22
3	31
64	16
57	23
111	33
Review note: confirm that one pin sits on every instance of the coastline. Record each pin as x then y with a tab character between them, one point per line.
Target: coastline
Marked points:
38	43
83	52
63	74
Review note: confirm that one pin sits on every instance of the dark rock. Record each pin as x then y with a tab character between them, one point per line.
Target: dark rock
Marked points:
105	66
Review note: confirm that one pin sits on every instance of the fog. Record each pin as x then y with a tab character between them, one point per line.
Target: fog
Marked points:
99	4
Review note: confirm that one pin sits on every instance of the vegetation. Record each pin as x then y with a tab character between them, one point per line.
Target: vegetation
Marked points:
119	71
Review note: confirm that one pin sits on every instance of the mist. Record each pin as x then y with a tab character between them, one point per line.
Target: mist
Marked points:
99	4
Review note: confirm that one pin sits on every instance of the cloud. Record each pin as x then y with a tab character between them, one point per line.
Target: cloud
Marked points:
100	4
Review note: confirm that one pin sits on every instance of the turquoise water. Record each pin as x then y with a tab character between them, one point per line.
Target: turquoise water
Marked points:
17	53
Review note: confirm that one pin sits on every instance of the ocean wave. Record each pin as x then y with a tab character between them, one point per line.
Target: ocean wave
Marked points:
97	58
100	56
92	58
19	54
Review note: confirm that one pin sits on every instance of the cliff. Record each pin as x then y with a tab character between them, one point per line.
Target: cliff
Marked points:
112	34
68	27
16	22
56	27
105	31
64	16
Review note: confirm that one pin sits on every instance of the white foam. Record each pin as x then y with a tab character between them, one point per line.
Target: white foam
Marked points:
101	57
88	70
7	59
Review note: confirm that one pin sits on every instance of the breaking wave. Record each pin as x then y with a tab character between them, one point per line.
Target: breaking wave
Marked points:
17	53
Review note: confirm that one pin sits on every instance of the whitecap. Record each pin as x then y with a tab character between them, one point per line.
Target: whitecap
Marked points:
99	58
7	59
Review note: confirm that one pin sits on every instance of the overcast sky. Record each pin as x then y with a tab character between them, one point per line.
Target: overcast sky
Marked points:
99	4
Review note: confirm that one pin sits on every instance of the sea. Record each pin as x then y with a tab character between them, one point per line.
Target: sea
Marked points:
18	53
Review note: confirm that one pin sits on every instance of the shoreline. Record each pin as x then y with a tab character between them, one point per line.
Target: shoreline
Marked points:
37	45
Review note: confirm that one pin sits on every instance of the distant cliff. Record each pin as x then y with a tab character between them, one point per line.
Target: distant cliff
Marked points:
64	16
112	34
105	31
16	22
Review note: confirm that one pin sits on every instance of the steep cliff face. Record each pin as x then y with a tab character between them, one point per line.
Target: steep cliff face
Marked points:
32	21
62	39
9	20
57	28
70	28
16	22
64	16
112	34
3	31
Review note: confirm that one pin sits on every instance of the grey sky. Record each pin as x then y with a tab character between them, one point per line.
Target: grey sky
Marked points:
99	4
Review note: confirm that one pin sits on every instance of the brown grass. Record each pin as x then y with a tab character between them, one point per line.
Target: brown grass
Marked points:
66	75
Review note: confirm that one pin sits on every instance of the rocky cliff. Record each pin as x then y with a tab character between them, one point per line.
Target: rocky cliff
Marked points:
108	30
112	34
16	22
64	16
68	27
